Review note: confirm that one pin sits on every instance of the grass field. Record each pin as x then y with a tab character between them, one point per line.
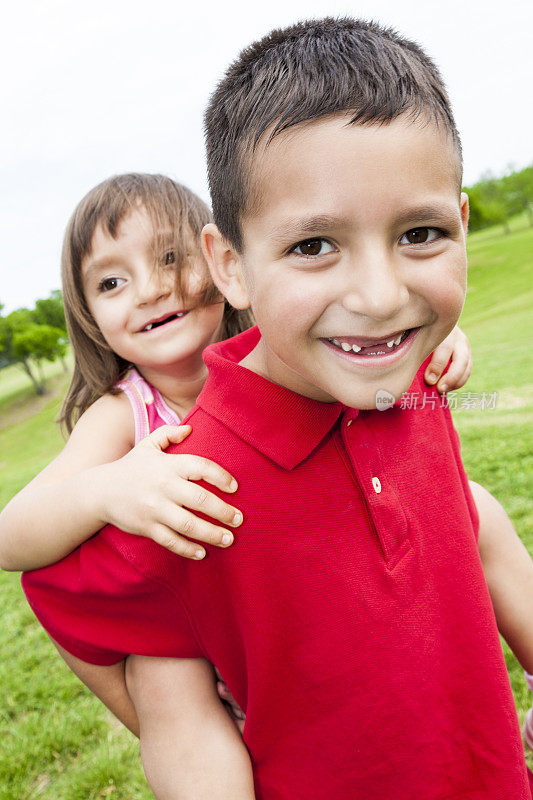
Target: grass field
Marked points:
57	741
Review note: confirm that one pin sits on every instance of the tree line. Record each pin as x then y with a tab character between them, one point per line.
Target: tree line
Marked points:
28	337
494	200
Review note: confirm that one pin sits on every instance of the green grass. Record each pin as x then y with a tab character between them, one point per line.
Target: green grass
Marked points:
27	446
57	740
14	382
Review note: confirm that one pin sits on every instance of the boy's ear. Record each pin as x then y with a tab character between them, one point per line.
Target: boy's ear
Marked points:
225	266
465	211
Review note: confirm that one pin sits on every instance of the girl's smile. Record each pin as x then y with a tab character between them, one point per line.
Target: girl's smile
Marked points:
163	320
136	307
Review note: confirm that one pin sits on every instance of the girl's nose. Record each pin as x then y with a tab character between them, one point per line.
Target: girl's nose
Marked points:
153	289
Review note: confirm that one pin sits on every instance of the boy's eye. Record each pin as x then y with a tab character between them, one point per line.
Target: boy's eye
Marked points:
107	284
313	247
421	235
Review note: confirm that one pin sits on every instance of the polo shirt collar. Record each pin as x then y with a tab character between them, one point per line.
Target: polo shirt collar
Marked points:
284	426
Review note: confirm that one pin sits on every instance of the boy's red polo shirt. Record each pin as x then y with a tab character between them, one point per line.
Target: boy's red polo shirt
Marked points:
350	618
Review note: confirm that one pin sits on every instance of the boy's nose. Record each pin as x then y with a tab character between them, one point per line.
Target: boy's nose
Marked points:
375	289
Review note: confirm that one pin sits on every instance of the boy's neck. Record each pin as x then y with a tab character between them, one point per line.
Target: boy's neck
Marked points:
264	362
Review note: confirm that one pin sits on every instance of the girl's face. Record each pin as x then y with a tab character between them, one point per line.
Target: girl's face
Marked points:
136	307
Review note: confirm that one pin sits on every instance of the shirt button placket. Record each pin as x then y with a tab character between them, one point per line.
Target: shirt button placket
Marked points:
382	502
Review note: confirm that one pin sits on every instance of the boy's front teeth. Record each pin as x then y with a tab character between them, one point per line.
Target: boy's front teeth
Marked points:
356	349
346	347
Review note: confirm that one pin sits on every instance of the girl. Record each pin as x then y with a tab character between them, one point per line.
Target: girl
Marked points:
141	309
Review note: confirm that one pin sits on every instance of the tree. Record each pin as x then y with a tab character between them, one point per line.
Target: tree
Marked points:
24	342
493	200
38	343
50	311
518	188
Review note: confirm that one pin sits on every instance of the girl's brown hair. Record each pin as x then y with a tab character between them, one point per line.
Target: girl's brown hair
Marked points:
172	209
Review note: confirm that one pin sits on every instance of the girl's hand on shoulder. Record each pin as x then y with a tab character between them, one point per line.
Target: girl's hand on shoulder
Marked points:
457	347
152	493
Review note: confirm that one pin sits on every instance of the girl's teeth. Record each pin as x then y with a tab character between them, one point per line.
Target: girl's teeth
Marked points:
355	348
390	344
346	347
398	340
149	327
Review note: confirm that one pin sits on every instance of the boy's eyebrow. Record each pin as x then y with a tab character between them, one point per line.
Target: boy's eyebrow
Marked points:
431	211
442	212
296	227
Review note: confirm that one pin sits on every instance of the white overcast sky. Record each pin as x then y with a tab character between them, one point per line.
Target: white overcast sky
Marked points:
94	88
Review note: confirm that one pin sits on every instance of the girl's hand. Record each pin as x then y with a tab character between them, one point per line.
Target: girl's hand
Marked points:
152	493
458	347
232	707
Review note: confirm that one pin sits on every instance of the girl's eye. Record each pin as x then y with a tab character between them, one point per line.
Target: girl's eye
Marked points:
107	284
169	258
313	247
421	235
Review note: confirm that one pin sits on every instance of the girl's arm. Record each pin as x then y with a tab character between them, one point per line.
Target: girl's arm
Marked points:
98	478
457	348
190	748
508	571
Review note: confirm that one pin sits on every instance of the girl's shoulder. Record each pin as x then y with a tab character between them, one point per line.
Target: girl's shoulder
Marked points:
108	418
103	433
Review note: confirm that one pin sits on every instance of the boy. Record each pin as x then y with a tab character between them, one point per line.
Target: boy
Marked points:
351	618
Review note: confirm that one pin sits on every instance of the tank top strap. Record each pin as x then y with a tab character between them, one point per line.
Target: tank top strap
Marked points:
149	409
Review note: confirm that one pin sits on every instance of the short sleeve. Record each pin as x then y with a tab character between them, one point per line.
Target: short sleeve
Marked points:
99	606
456	446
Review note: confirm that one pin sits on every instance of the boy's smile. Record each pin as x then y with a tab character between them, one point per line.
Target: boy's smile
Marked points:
354	258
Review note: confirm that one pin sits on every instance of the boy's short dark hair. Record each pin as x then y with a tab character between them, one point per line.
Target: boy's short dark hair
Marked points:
309	70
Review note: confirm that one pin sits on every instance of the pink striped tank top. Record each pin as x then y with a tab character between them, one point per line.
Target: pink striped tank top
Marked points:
149	409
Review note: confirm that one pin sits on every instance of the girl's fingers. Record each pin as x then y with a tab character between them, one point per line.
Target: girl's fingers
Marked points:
225	695
197	498
456	376
172	541
183	522
438	362
196	468
166	435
